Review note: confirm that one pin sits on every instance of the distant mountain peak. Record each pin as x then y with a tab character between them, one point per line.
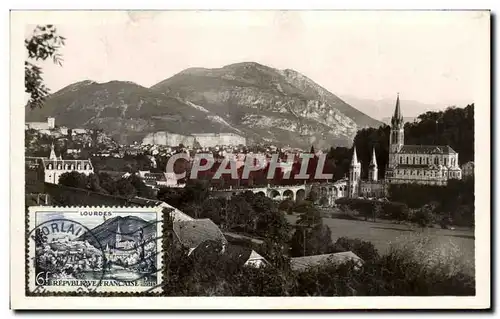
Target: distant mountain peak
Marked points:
261	103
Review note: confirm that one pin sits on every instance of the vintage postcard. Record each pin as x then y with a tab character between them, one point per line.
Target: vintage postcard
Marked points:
260	159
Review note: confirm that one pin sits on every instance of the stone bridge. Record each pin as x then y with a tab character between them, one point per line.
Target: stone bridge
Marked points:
327	192
293	192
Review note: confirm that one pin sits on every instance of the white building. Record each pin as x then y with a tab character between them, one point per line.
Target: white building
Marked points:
50	124
54	167
420	164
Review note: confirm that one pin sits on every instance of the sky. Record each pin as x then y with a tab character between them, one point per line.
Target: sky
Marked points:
427	56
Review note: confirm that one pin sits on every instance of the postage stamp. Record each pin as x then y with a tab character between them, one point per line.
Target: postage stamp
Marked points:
94	250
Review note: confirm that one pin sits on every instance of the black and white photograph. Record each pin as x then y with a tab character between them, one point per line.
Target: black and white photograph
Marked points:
294	154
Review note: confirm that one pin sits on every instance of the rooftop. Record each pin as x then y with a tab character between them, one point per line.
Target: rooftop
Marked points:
426	149
192	233
302	263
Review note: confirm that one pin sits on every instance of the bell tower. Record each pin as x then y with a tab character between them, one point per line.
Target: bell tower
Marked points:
354	175
373	172
397	137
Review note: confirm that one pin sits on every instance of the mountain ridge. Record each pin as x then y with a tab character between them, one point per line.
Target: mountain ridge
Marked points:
247	98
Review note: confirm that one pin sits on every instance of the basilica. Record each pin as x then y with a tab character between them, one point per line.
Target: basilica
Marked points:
420	164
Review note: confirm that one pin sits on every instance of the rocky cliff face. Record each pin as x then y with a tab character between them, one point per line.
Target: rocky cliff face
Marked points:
270	104
258	102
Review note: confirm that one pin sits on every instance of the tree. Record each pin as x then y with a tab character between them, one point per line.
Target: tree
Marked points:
424	216
74	179
141	188
286	206
196	192
309	214
108	184
44	43
94	184
314	240
125	188
377	211
364	249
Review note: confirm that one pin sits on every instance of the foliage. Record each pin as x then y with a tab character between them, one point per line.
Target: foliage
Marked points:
317	241
424	216
73	179
364	249
406	270
104	184
367	207
309	214
44	43
455	200
287	206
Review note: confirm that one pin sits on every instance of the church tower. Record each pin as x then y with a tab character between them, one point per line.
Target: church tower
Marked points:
118	237
52	156
373	168
397	137
354	175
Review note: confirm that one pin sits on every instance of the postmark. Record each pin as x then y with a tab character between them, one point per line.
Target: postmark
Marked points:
93	250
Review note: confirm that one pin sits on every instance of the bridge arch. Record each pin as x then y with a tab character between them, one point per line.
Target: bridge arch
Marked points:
273	194
289	194
300	195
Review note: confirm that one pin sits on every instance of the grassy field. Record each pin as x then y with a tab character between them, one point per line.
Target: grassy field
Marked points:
383	233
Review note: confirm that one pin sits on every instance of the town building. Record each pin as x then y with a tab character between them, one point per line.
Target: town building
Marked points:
420	164
54	167
48	125
122	248
373	187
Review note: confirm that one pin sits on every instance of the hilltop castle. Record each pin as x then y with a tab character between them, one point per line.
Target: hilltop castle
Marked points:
420	164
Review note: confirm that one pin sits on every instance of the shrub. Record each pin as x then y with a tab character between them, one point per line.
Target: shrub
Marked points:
364	249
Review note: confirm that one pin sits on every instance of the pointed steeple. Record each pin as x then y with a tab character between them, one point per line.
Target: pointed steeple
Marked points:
118	237
397	118
354	160
52	156
373	162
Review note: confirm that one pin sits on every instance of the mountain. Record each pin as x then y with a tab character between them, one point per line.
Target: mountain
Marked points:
124	110
130	227
384	108
269	104
263	104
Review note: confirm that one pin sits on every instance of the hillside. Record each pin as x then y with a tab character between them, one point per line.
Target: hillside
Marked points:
281	105
263	104
125	110
130	227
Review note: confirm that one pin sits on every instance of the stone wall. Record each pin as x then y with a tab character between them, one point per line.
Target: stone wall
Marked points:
215	139
204	139
168	139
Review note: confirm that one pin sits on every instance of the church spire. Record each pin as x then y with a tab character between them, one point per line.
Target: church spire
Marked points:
118	237
354	160
373	162
52	156
397	117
